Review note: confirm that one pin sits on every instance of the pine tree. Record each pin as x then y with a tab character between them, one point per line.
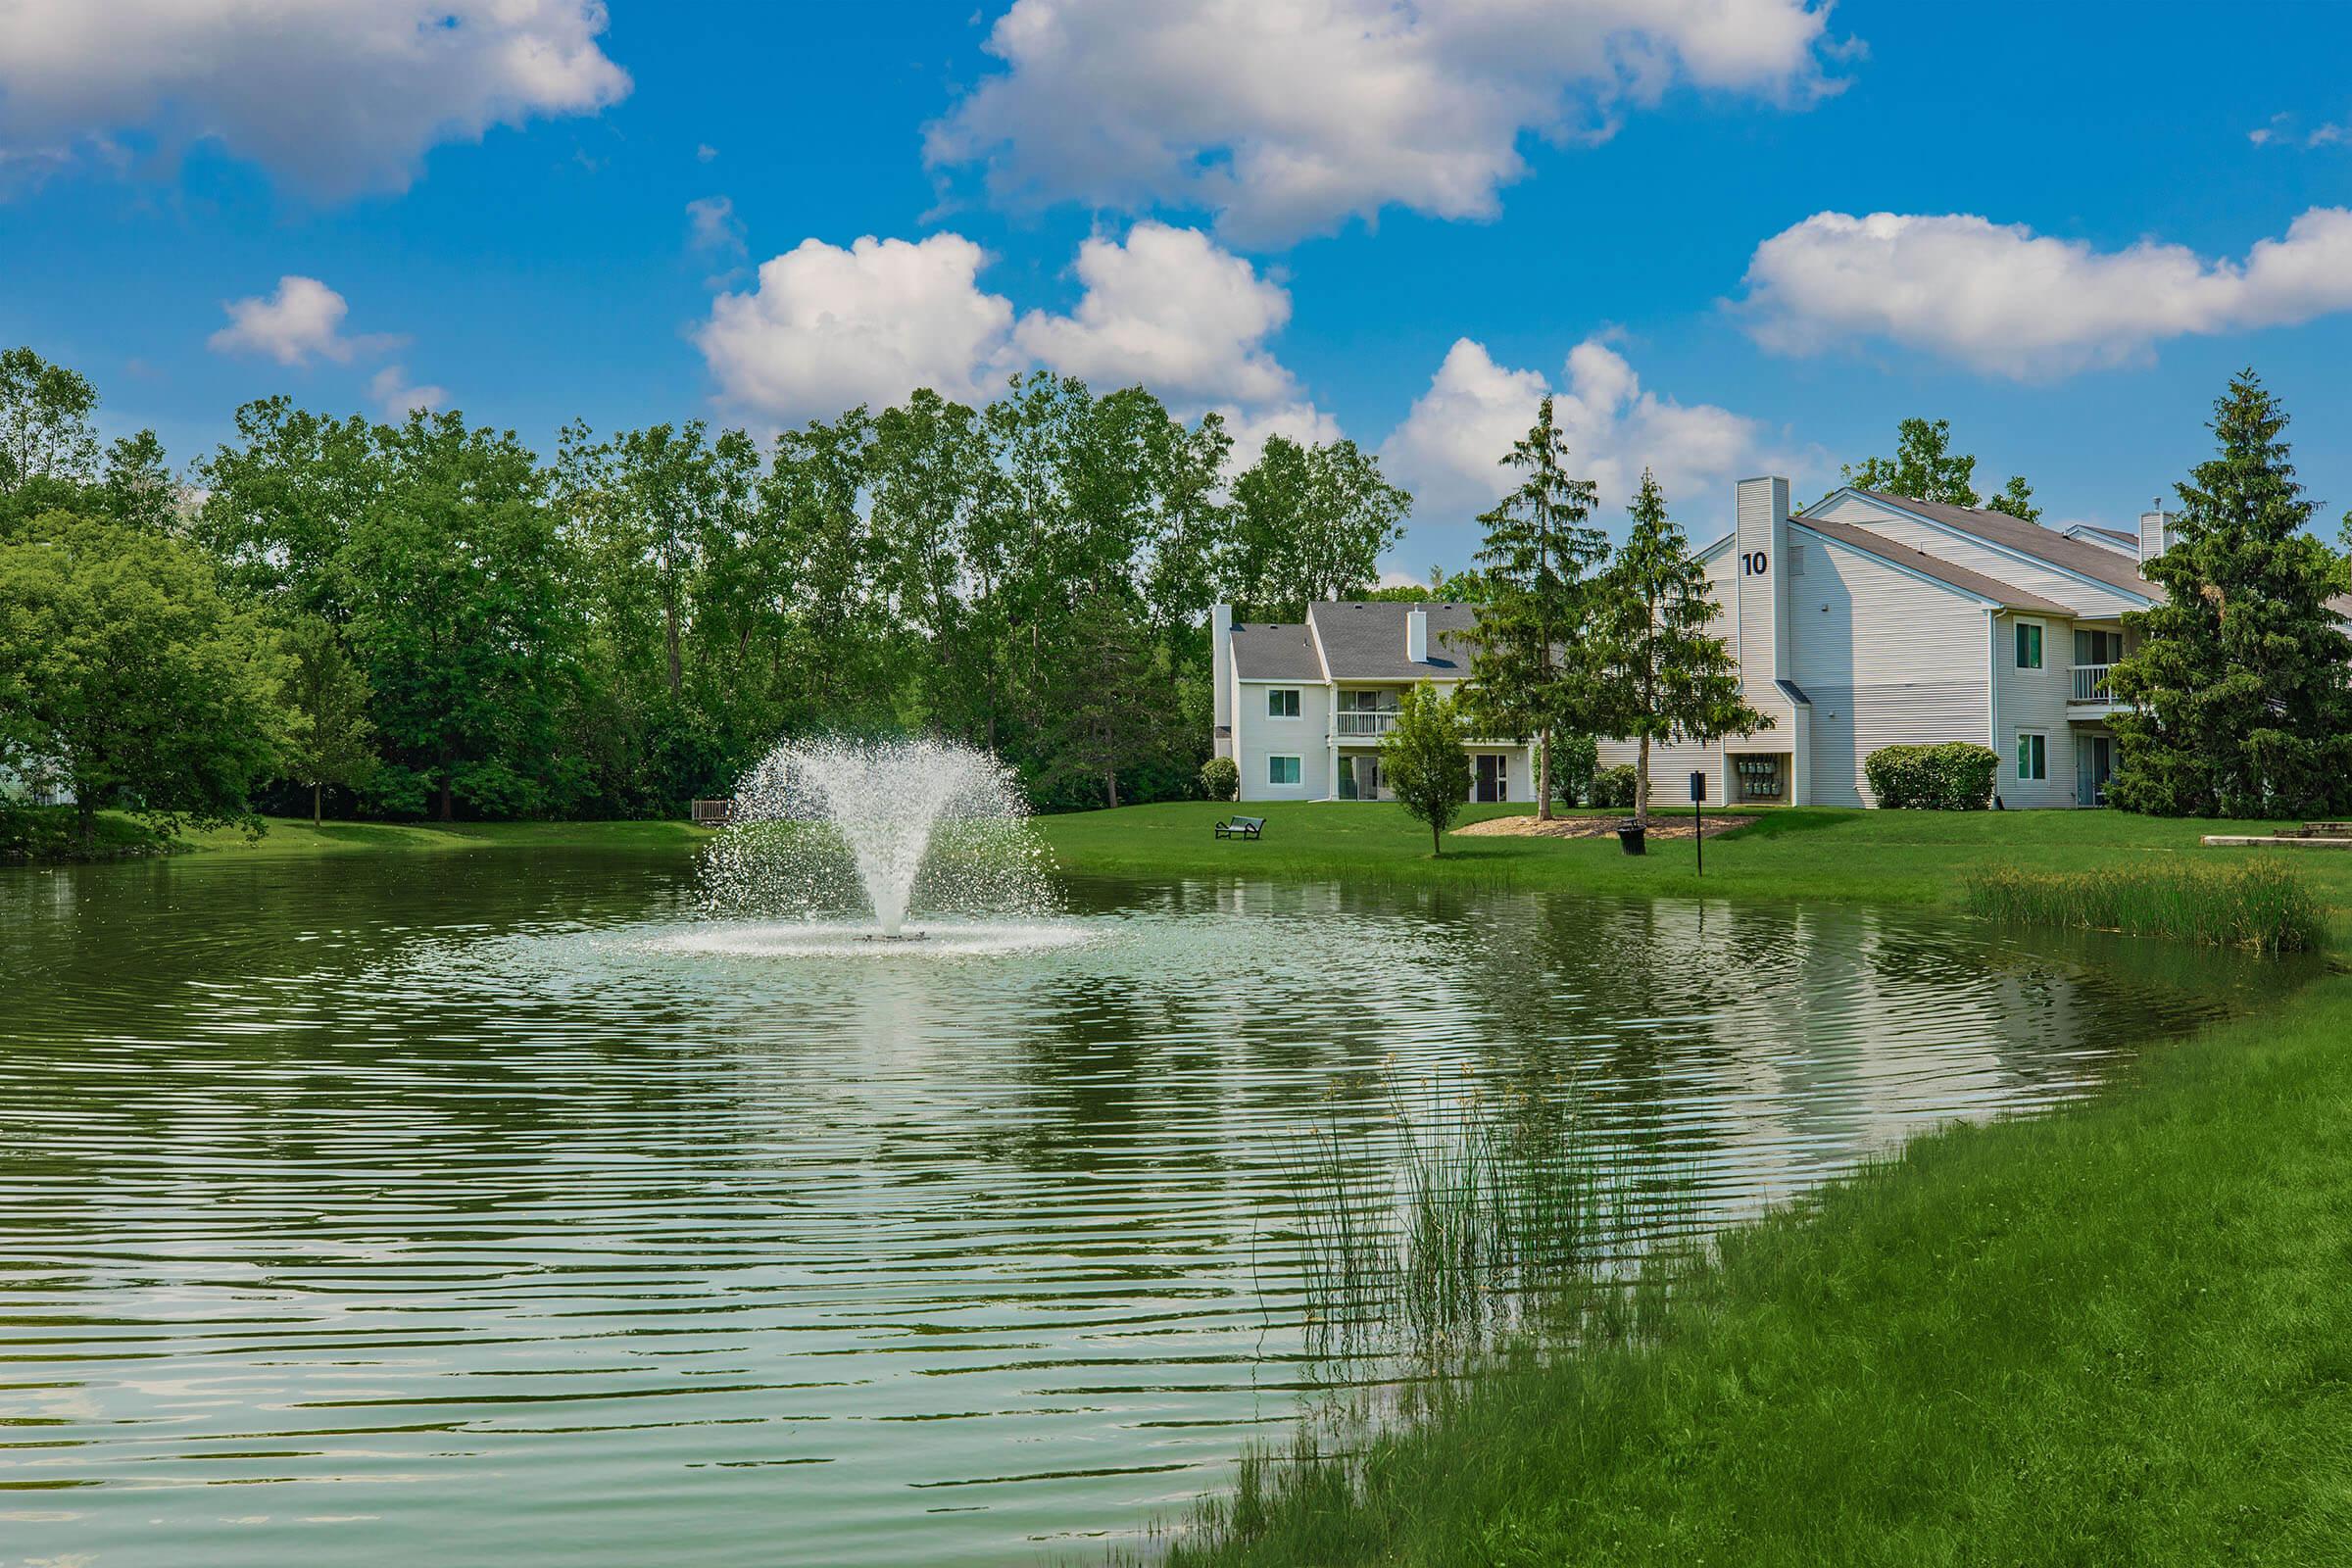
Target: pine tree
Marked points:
1668	679
1533	668
2239	685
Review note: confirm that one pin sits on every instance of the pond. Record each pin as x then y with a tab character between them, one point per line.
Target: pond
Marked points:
488	1208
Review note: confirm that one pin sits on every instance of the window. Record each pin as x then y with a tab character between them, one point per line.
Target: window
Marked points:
2032	755
1282	770
2028	644
1282	704
2098	647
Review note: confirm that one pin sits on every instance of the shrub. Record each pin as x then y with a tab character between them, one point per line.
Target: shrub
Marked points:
1615	786
1221	778
1573	760
2259	905
1956	776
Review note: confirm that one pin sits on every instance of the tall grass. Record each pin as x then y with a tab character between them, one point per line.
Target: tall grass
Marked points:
2259	905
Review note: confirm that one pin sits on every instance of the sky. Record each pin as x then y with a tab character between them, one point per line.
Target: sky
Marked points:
1732	236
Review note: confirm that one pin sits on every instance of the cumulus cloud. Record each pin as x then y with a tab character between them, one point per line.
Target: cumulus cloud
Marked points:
1168	308
393	393
2005	301
823	328
302	320
337	96
1289	116
1447	450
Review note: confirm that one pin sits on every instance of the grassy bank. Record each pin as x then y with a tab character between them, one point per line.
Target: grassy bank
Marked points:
2259	905
2118	1334
1913	858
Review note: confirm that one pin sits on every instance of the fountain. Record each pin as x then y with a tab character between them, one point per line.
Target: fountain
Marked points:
836	826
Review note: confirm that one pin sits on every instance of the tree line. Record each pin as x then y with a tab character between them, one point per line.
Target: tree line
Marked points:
428	618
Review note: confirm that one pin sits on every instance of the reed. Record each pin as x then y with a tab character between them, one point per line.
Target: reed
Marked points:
2259	905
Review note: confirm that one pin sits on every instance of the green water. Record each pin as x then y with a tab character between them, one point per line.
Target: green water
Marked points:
487	1209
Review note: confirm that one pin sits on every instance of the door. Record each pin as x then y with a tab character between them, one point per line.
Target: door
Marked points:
2096	755
1494	779
1359	779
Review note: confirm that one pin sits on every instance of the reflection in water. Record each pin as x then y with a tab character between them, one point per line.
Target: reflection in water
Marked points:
494	1211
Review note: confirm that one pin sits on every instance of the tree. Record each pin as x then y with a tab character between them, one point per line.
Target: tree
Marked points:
131	680
1310	523
2239	685
1670	678
2017	499
1422	762
325	697
1532	666
1924	466
1107	720
45	431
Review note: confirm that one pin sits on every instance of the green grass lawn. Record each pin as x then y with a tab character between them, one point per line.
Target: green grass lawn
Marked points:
293	838
1916	858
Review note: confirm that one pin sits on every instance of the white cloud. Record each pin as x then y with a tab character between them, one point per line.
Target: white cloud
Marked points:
703	152
1289	116
392	392
824	328
1449	449
1169	310
2003	300
303	319
338	97
712	225
1251	427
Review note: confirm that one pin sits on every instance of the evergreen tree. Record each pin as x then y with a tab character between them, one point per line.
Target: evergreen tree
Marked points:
1422	762
1668	679
1533	669
2239	685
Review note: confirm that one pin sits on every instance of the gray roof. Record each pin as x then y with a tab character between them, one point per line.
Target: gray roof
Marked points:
1364	639
2077	556
2119	535
1274	652
2007	595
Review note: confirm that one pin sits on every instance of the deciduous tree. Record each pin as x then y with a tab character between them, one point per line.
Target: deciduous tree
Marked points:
325	697
1422	762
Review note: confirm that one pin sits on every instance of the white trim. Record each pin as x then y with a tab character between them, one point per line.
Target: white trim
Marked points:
2041	625
2021	735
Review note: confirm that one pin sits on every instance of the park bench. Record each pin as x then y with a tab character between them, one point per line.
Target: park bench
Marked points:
1242	827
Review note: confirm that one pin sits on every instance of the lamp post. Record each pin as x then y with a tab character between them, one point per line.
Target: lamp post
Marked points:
1699	830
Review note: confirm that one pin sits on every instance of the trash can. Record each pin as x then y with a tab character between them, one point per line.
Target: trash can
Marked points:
1634	836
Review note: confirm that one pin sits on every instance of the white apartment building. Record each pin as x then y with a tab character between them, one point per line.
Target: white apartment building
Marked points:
1866	621
1873	619
1301	708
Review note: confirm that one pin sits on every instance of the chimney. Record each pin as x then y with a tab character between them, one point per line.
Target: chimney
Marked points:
1760	597
2156	534
1416	635
1220	665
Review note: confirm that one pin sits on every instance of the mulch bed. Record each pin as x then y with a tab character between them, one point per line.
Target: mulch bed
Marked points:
1662	826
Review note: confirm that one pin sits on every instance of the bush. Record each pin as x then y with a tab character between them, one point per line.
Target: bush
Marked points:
2259	905
1573	760
1956	776
1615	786
1221	778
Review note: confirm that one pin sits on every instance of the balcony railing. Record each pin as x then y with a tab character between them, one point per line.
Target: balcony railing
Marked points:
2090	684
1366	722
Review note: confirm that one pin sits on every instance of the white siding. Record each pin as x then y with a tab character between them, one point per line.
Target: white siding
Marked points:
2043	582
2034	700
1308	737
1889	657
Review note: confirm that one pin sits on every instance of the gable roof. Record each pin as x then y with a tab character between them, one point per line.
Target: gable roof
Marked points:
1275	651
2048	545
2007	595
1364	639
2123	541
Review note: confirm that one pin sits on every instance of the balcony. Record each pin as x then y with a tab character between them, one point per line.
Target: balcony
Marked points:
1364	725
2090	687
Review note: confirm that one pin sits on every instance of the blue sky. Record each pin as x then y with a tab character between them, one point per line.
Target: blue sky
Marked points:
1351	216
